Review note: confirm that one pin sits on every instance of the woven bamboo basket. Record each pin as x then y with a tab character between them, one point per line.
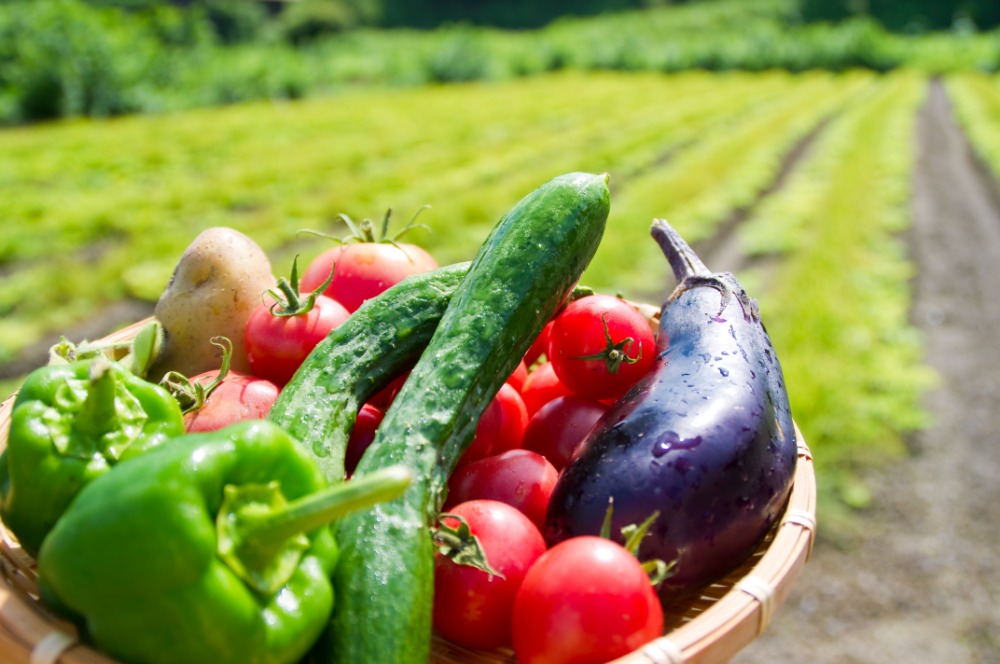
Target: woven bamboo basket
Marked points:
709	628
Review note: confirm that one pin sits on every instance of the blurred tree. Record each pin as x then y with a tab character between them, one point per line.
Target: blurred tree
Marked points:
307	19
66	58
501	13
908	15
234	21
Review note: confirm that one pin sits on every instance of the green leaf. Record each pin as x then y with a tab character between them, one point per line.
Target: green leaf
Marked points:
145	348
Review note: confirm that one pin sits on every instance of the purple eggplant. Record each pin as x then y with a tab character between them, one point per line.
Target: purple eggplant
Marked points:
706	438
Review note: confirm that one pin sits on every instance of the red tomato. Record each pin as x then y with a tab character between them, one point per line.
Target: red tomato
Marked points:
238	397
362	435
600	346
365	269
277	345
520	478
487	434
383	398
558	428
513	419
500	428
471	607
541	387
519	376
586	600
539	347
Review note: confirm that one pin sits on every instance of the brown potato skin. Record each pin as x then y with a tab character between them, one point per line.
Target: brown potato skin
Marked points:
216	285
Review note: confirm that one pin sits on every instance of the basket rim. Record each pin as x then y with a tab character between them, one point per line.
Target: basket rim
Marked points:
714	627
754	595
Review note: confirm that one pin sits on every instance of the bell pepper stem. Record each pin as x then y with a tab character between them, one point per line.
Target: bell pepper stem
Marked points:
261	536
98	410
268	529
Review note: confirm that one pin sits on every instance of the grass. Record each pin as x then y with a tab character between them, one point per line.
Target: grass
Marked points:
976	98
837	296
98	211
114	202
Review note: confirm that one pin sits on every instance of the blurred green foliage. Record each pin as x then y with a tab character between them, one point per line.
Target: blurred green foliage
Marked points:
895	15
63	58
66	58
976	99
102	209
909	15
834	278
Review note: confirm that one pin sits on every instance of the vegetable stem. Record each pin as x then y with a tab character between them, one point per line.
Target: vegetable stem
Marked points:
268	529
98	414
683	261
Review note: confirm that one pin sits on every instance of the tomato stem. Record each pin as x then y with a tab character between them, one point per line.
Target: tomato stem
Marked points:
293	303
460	545
614	353
191	395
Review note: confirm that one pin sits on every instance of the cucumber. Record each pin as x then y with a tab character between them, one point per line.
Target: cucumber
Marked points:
527	265
380	340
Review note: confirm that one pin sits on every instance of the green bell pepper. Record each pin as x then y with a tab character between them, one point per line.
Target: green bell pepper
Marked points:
69	424
213	549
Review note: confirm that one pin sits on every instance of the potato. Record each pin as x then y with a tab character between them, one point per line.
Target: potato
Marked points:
216	285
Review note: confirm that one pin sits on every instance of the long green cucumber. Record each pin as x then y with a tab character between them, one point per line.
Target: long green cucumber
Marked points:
380	340
529	262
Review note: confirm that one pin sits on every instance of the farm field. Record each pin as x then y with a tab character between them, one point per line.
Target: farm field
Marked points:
917	581
115	202
815	188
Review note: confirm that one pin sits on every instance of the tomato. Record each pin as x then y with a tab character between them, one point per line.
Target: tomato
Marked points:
487	434
500	427
521	478
542	386
513	419
362	435
584	601
473	608
238	397
384	397
277	345
539	347
365	269
558	428
600	346
519	376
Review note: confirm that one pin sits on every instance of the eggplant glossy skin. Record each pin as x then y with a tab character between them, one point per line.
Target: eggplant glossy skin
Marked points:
706	438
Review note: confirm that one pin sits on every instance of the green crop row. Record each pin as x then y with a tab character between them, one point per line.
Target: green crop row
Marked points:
114	202
698	188
976	98
98	211
67	58
834	287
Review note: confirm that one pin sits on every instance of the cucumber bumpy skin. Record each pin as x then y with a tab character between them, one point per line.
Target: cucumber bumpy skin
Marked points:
381	340
519	277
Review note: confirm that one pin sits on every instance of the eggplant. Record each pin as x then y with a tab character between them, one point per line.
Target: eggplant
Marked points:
705	439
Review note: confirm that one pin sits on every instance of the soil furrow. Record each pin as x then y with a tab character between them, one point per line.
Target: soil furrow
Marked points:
722	252
920	584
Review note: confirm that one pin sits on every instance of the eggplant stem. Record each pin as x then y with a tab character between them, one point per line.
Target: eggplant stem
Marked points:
705	282
691	272
683	261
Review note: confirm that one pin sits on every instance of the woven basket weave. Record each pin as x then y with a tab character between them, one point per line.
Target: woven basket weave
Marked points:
709	628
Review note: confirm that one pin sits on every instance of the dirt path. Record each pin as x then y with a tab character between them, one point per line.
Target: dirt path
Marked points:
924	584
